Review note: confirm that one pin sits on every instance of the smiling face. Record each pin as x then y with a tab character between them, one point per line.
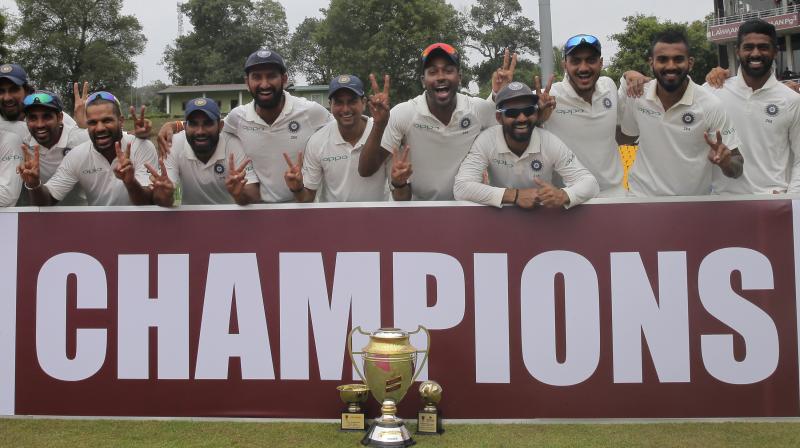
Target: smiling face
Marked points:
265	83
756	54
104	124
202	133
346	108
671	65
441	79
45	125
518	126
583	66
11	96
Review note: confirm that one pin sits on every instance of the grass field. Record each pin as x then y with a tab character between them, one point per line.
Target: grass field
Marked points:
108	433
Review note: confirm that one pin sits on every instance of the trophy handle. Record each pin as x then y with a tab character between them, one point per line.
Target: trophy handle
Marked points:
350	351
426	351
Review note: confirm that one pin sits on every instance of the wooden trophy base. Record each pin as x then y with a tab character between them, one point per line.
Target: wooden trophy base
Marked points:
429	423
353	421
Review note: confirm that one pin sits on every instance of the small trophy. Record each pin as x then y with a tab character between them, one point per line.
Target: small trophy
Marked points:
429	419
353	418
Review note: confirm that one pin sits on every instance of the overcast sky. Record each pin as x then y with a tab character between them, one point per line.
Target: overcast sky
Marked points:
599	17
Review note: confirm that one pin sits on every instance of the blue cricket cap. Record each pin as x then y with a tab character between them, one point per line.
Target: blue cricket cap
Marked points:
207	105
349	82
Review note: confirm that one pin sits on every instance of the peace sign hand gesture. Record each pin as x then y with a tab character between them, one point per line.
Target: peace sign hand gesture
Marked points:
142	127
29	168
124	170
161	184
718	154
504	75
379	101
294	174
547	103
79	112
401	167
236	180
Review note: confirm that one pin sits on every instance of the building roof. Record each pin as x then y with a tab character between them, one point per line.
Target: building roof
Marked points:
312	88
205	88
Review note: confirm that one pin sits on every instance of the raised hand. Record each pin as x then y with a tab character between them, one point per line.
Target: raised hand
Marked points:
401	167
142	127
635	82
294	174
717	76
547	103
504	75
124	170
164	139
79	112
718	152
379	101
549	195
29	168
160	182
235	181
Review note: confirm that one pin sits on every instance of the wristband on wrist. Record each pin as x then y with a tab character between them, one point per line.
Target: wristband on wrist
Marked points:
33	188
397	187
300	190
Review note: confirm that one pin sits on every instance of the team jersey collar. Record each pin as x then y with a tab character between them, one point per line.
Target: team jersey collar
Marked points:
740	83
534	146
288	106
422	106
217	156
339	140
687	99
599	88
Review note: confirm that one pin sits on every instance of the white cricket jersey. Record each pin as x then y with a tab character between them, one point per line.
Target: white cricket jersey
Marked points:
204	183
265	144
545	155
10	159
330	167
50	158
768	124
20	128
85	166
672	159
436	149
590	130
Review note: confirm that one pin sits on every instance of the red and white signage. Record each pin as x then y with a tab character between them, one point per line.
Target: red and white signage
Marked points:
727	32
626	310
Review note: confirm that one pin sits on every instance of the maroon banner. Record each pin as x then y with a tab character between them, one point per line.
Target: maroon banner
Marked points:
602	311
727	32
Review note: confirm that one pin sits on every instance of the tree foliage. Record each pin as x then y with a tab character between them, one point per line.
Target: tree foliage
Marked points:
59	42
304	55
224	33
634	45
5	36
385	37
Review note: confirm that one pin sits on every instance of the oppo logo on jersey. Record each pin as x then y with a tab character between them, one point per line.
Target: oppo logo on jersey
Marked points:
92	171
335	158
426	127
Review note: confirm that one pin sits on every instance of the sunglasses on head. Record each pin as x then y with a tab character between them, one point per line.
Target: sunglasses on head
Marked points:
38	98
574	41
514	112
101	96
445	47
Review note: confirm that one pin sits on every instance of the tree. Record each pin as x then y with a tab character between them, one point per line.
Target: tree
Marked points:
385	37
60	42
305	53
5	37
494	25
634	46
225	33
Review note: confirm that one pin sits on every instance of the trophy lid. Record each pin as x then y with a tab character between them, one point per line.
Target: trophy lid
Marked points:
390	333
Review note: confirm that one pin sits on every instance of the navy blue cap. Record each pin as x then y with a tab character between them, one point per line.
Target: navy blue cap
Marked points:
206	105
15	73
43	98
349	82
515	90
264	56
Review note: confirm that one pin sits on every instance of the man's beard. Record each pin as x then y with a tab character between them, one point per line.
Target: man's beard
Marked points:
15	116
116	136
766	67
277	96
670	87
203	150
508	129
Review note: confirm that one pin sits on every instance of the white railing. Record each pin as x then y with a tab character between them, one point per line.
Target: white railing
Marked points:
736	18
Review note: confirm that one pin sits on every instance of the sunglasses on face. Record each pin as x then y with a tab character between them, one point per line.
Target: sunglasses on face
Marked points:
38	98
514	112
101	96
574	41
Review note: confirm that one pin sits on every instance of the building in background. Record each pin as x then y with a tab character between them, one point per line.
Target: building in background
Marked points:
784	14
228	96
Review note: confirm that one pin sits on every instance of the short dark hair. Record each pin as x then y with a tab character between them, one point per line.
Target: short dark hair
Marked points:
100	101
757	26
670	36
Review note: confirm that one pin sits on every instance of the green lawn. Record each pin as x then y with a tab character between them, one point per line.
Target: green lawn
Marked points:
106	433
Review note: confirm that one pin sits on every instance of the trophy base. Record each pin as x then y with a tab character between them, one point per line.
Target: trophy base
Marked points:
353	421
388	433
429	423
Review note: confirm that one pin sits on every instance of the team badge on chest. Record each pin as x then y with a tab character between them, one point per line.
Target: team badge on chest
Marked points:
294	127
219	168
772	110
607	103
536	165
465	123
688	118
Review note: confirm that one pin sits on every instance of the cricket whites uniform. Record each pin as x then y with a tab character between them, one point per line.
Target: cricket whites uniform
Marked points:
85	166
265	144
436	150
768	123
590	131
20	128
50	158
672	159
10	159
546	154
204	183
330	167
